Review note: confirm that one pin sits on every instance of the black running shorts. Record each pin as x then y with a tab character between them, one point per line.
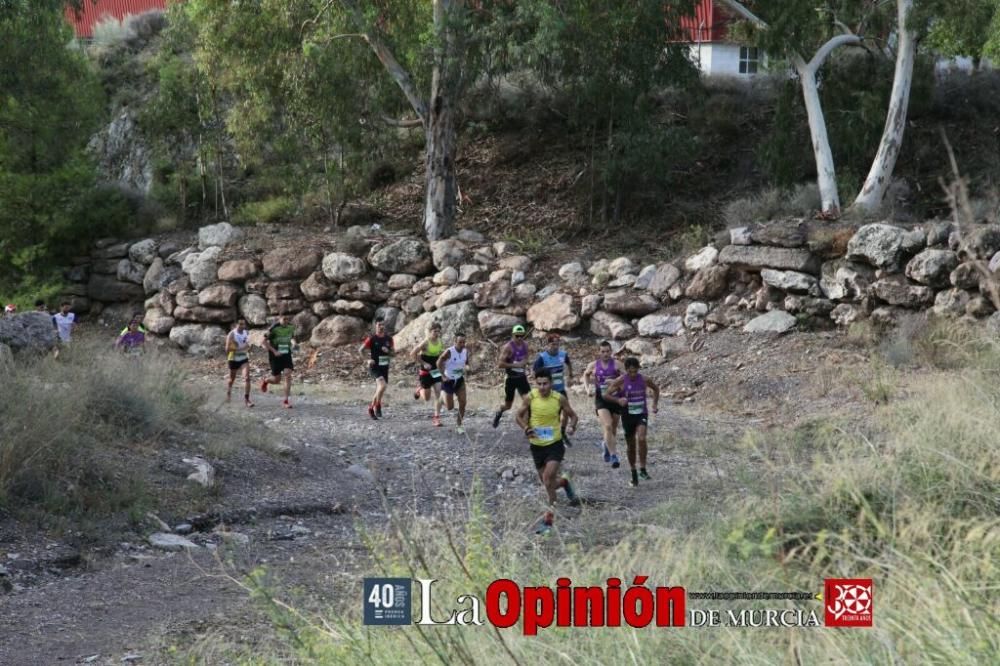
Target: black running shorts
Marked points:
280	363
630	422
518	383
428	381
236	365
600	403
377	371
453	386
546	454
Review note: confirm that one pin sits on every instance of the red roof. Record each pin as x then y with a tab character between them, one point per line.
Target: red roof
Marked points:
94	11
709	23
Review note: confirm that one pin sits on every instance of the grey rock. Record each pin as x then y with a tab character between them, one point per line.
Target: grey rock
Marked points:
648	350
167	248
291	263
705	257
470	236
358	309
845	314
621	266
362	473
572	272
364	290
515	263
406	255
517	277
665	277
932	267
202	267
219	295
624	280
775	321
254	309
950	303
630	303
979	306
496	324
781	258
709	283
694	315
413	305
472	273
128	271
556	313
449	252
914	241
453	319
198	338
143	252
402	281
218	235
790	281
203	474
342	267
496	294
937	233
152	280
28	331
187	299
590	304
109	290
844	280
645	278
238	270
460	292
447	276
780	234
994	263
304	322
659	325
878	245
338	330
393	317
113	251
981	242
205	315
317	287
546	291
740	236
157	321
895	290
171	542
607	325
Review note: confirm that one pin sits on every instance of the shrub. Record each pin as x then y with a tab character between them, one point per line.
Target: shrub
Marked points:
772	203
275	209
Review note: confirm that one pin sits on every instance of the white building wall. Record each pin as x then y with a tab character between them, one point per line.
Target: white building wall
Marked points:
719	59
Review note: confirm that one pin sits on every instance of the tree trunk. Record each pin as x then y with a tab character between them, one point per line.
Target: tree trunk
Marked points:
440	186
880	175
826	174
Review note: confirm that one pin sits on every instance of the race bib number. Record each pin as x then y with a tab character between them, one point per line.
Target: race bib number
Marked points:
383	360
635	408
284	349
557	378
543	433
435	374
457	373
516	371
239	356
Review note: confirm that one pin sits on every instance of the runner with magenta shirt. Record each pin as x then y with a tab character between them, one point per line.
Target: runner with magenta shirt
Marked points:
513	359
630	392
598	376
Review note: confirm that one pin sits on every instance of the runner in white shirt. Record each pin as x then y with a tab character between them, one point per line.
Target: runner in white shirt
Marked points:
453	363
65	322
238	356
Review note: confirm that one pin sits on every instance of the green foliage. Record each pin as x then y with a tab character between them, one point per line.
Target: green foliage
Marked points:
274	209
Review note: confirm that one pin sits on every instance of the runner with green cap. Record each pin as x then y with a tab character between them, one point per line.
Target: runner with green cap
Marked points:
513	359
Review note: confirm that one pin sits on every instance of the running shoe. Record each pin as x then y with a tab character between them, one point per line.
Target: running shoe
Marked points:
436	421
378	410
248	403
568	487
607	454
371	412
615	463
263	386
496	419
545	529
633	483
644	475
460	430
286	404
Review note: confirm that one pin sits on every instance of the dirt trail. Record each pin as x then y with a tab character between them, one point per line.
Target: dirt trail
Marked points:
299	514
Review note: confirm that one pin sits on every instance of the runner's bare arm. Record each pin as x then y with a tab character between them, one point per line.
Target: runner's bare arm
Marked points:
442	358
417	351
614	388
569	371
523	414
588	377
503	357
656	393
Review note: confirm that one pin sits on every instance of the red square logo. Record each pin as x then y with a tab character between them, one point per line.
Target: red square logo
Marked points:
848	602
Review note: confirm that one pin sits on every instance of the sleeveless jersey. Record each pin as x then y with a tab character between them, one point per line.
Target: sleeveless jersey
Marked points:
556	365
518	353
432	351
241	340
545	418
604	375
454	365
380	347
634	390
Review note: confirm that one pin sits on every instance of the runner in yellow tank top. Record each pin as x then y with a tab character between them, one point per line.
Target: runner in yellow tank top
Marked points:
540	416
426	354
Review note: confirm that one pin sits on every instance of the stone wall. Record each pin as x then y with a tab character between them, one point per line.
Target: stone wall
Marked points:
766	278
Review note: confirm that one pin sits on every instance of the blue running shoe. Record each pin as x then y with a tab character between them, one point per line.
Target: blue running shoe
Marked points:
568	487
615	464
607	454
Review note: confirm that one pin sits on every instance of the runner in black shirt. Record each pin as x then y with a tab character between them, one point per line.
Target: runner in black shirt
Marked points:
381	349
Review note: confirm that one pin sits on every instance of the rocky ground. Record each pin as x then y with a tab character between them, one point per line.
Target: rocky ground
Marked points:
293	501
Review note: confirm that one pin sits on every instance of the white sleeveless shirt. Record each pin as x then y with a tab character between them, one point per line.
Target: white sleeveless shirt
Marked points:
454	365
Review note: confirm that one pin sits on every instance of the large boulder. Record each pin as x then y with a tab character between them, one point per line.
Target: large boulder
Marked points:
879	245
981	242
290	263
448	252
364	290
704	258
782	234
157	321
472	273
254	309
286	306
894	290
709	283
497	324
199	338
151	279
143	252
393	318
317	287
202	267
218	235
790	281
205	315
354	308
950	303
645	278
30	331
446	277
664	278
572	272
630	303
555	313
458	293
112	251
338	330
607	325
459	317
965	276
304	322
845	280
186	298
932	267
496	294
342	267
660	325
219	295
107	289
129	271
238	270
407	255
756	257
775	321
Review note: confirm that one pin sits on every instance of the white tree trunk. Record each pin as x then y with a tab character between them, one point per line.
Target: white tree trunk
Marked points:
880	174
440	186
826	173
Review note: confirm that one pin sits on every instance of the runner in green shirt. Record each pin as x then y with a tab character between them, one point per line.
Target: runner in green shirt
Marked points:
279	341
